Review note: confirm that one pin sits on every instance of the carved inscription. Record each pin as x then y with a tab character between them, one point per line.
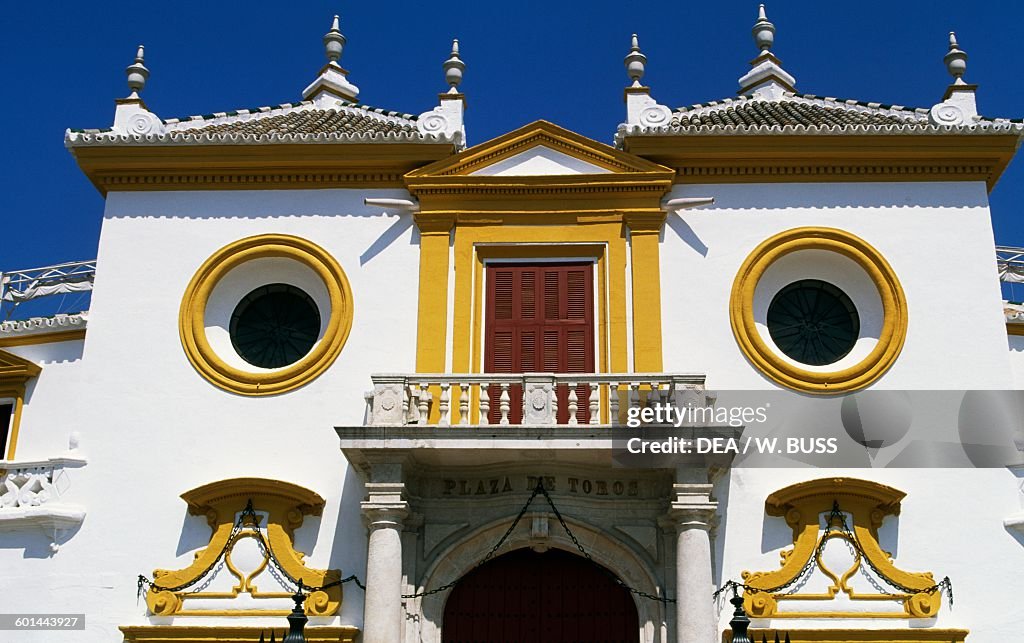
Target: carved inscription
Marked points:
567	485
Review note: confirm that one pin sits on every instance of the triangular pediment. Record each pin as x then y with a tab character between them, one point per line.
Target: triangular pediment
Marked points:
539	149
16	370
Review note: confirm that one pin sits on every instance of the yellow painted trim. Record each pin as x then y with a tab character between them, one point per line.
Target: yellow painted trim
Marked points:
532	135
432	320
645	267
18	395
254	167
1015	328
813	158
754	348
850	635
869	503
604	243
191	318
43	338
231	634
15	372
286	505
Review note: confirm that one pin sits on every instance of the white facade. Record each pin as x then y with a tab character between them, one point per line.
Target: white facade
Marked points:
140	424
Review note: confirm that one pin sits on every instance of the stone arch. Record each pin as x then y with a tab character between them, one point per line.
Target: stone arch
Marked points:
458	558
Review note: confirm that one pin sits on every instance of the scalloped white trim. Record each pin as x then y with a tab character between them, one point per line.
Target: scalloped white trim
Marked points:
914	127
76	139
42	325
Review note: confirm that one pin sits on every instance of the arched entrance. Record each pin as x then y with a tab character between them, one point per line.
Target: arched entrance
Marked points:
529	597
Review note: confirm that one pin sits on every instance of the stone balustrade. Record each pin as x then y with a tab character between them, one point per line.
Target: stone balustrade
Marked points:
32	494
524	398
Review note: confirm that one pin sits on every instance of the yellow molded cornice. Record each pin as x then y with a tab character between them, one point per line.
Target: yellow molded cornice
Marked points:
253	167
451	186
16	371
286	503
230	634
823	158
857	635
530	136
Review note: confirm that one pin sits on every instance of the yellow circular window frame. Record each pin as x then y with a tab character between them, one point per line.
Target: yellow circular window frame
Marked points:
765	358
192	325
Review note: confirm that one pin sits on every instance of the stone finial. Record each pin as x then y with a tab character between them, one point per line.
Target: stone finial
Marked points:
137	73
764	31
959	105
767	79
956	60
334	42
636	63
453	68
332	84
447	119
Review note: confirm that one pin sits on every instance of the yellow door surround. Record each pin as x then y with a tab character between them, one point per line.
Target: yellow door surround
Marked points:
593	215
15	372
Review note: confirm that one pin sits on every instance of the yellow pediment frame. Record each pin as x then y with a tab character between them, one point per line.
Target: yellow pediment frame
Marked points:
281	507
868	503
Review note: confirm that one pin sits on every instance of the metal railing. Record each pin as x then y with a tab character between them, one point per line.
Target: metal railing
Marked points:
19	286
446	399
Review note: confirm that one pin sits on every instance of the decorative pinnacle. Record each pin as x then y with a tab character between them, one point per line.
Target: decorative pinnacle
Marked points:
764	31
453	68
334	42
956	60
137	73
636	62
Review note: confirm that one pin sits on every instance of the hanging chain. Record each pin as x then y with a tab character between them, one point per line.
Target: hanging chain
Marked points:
247	517
837	517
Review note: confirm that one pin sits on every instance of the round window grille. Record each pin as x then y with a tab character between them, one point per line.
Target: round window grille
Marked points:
813	322
274	326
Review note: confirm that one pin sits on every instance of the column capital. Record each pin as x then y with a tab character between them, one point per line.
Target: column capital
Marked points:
379	515
434	223
645	222
692	507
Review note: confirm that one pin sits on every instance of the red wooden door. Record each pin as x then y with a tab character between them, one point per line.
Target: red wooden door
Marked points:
540	318
526	597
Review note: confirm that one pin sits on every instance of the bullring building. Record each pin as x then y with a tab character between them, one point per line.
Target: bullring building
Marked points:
371	340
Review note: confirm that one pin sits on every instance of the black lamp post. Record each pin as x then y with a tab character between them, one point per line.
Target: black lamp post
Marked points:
297	619
739	622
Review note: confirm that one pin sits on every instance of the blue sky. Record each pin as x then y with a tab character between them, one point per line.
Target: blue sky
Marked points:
561	61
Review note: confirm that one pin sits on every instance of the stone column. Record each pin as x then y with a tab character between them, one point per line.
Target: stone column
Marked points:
693	513
384	512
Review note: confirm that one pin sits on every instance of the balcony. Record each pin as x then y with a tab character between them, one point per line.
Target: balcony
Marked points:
444	422
32	496
524	399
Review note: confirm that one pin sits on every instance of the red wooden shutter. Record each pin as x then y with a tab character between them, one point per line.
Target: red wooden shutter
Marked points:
540	318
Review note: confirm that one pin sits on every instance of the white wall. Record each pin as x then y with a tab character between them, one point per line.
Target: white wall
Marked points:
152	428
936	236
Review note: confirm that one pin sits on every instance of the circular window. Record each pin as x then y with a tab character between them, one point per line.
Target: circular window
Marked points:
251	337
818	310
813	322
274	326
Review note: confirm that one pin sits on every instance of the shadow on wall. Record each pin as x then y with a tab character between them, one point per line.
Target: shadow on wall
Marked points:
679	225
859	196
36	542
389	236
348	551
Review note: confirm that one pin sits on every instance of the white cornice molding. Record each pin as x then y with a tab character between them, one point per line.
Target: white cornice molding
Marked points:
43	325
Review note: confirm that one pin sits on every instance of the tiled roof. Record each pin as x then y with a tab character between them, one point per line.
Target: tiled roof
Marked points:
310	121
797	113
42	325
794	113
305	122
